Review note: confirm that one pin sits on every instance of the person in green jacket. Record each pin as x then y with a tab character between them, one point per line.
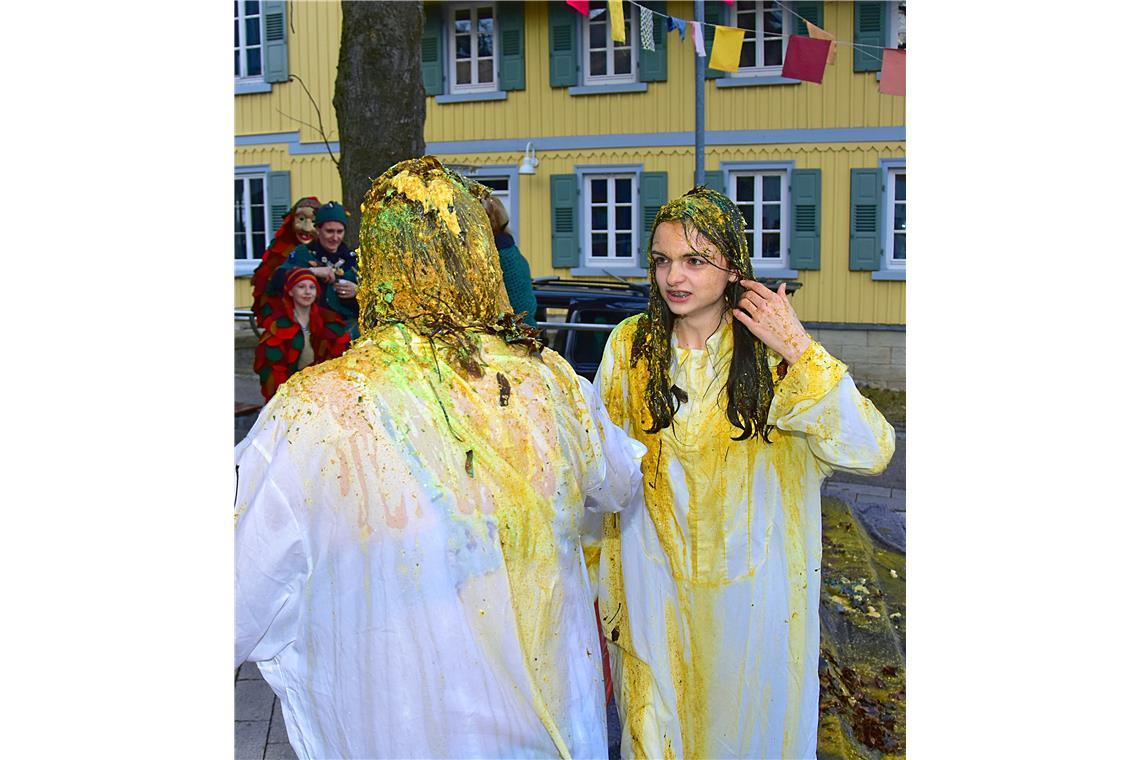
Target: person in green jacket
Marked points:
516	270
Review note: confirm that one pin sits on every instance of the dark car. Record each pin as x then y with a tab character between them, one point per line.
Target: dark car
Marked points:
579	314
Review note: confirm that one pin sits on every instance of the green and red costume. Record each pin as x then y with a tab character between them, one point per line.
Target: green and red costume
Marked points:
284	241
278	352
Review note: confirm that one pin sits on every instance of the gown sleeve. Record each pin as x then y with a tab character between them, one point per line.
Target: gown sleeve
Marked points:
621	474
844	430
270	558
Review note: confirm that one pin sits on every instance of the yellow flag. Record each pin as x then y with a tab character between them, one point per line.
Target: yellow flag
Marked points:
617	21
726	48
818	34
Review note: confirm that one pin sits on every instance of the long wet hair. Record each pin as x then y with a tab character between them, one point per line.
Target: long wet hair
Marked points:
749	387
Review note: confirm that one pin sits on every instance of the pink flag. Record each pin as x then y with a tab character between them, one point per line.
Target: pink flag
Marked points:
698	38
582	6
806	58
892	80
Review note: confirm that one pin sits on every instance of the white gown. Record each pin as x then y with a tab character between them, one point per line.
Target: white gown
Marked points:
404	598
710	581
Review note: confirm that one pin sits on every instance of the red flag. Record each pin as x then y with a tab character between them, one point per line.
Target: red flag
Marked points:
582	6
806	58
892	80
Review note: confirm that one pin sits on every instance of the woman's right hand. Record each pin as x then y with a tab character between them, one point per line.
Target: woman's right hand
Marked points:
324	274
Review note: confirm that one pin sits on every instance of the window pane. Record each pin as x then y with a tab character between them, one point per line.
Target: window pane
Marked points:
745	189
486	70
599	218
462	46
900	187
622	63
258	246
900	216
773	52
746	209
253	62
252	31
771	188
597	35
900	247
599	244
463	72
238	187
771	216
237	33
251	8
748	54
485	15
624	215
770	242
464	15
256	192
486	45
624	245
598	192
598	63
237	63
622	190
495	183
773	22
239	246
257	220
751	244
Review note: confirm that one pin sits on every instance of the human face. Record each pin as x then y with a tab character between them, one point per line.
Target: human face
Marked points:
303	224
330	235
692	287
304	293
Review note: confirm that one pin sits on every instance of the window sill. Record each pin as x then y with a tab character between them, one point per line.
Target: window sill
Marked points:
606	271
251	88
889	274
756	81
781	273
245	267
471	97
608	89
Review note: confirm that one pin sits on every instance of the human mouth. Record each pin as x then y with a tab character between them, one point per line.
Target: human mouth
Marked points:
677	296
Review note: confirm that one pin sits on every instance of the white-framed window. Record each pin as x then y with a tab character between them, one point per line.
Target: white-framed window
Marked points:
766	28
500	186
251	216
763	198
610	233
895	249
248	46
472	39
896	24
606	61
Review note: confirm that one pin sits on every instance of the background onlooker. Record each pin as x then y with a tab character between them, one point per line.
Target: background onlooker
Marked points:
330	261
516	270
296	229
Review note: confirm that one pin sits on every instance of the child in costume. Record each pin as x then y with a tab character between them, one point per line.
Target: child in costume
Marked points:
296	229
296	333
409	565
710	588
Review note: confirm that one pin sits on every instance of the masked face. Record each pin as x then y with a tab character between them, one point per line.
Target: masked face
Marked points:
303	224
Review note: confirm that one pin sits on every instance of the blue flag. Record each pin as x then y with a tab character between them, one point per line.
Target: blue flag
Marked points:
672	22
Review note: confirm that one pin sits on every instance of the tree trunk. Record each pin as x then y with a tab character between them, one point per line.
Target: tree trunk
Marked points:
379	96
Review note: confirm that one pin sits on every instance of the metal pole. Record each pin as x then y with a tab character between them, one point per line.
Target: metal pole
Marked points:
699	117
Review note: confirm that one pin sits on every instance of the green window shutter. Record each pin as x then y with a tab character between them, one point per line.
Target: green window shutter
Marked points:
512	71
866	242
564	237
280	197
653	191
276	47
870	29
564	52
812	12
714	14
805	219
714	180
653	65
431	50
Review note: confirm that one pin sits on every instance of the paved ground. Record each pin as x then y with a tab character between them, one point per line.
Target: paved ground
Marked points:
259	732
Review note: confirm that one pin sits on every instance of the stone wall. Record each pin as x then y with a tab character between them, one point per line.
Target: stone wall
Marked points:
875	357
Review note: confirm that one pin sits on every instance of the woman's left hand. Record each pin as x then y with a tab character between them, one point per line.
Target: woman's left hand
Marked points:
345	289
770	317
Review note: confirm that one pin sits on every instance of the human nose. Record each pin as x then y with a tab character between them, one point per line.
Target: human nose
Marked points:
673	274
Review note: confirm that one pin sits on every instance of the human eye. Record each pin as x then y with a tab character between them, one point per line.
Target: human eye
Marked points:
696	261
660	261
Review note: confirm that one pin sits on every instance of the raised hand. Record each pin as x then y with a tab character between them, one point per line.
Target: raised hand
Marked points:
770	317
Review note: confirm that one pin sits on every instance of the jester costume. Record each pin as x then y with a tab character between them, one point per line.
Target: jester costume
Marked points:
710	580
279	351
409	568
285	241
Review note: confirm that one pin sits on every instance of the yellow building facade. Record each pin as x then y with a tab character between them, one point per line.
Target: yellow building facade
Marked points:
818	169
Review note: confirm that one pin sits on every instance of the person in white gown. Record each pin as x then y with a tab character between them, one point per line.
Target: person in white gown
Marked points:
710	580
409	570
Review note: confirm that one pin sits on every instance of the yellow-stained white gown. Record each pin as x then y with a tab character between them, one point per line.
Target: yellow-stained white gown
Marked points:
406	598
710	583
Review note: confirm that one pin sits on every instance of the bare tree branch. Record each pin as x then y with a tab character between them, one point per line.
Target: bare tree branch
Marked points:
320	122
